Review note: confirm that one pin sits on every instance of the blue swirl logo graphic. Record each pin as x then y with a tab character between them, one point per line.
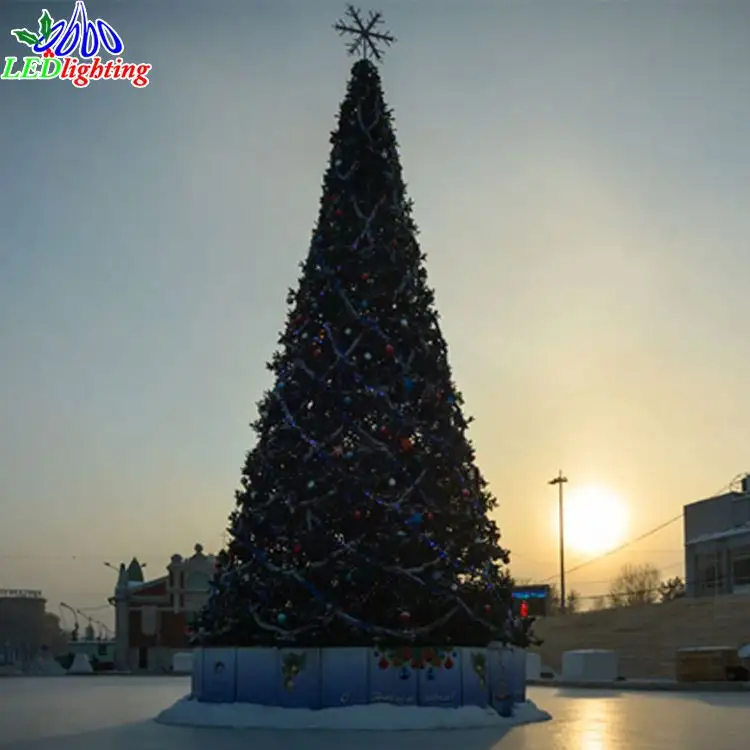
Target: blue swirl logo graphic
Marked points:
82	34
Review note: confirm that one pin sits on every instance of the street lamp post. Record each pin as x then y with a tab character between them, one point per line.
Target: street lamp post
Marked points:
560	480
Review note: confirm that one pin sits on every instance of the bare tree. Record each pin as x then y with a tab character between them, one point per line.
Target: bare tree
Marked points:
599	603
635	584
572	601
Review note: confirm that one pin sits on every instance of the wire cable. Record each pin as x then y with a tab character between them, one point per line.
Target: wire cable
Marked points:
613	551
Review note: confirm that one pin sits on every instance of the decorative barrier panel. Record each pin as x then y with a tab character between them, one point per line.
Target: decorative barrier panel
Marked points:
475	677
334	677
345	676
219	675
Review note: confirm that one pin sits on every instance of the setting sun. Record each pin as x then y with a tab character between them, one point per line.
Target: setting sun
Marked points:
595	520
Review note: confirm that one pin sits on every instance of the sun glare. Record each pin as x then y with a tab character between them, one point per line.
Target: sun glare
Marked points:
595	520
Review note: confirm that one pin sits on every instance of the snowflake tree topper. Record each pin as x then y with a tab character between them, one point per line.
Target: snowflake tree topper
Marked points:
366	39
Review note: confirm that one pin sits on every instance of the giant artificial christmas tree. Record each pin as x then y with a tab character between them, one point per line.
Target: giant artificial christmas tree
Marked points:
361	518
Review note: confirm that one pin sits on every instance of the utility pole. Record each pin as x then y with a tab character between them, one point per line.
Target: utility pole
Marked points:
560	480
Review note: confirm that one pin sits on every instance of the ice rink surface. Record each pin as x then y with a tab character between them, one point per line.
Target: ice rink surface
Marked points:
116	713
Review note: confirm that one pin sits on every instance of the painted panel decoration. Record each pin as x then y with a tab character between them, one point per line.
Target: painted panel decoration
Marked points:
196	676
438	676
392	676
219	675
475	681
518	674
344	677
299	678
258	681
501	698
334	677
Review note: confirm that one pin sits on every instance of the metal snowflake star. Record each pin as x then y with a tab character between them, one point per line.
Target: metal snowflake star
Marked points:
366	38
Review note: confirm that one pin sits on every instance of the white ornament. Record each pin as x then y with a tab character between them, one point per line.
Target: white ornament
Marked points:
347	331
392	482
367	355
310	484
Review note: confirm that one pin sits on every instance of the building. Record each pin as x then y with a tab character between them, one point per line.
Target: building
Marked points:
23	627
717	544
152	618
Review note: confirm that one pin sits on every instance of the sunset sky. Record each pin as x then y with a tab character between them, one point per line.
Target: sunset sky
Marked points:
579	171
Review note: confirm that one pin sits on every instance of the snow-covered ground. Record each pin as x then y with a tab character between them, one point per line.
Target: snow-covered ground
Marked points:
116	713
376	718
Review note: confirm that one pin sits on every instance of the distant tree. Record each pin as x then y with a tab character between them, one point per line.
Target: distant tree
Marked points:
635	584
53	636
572	599
573	603
599	603
553	603
671	589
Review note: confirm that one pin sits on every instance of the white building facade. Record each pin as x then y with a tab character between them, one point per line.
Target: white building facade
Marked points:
717	544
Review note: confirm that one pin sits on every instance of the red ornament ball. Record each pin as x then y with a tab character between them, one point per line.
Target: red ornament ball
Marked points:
465	493
365	276
404	617
297	549
383	663
389	350
448	663
430	516
487	608
357	515
406	444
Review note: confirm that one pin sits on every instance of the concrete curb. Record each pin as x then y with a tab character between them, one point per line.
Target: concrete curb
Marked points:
648	685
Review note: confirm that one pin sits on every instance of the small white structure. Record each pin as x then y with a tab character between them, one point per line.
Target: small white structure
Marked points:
80	665
533	666
182	663
589	665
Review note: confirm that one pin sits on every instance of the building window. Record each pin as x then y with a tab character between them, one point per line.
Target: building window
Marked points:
741	567
708	577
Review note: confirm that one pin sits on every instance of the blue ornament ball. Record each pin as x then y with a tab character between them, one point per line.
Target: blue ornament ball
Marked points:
281	618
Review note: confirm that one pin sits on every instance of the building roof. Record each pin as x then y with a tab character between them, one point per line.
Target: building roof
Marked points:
135	571
734	495
737	531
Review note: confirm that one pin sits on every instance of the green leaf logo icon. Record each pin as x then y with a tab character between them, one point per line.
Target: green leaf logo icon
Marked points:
29	38
45	24
24	36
